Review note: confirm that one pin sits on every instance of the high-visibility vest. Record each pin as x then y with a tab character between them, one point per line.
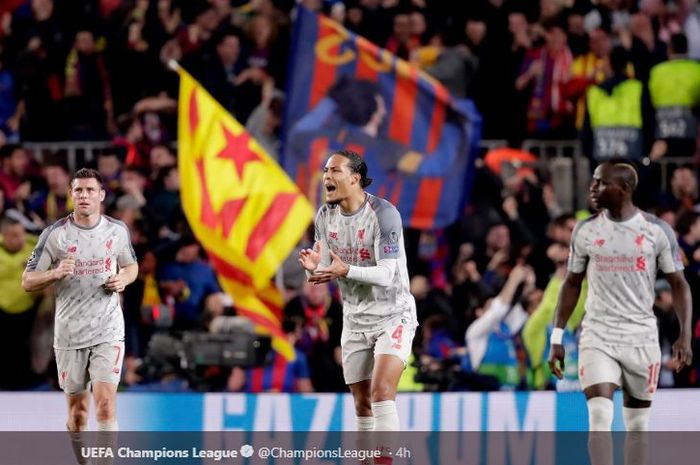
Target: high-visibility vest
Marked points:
674	88
616	120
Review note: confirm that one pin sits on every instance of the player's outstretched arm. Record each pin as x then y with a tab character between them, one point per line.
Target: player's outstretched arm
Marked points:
568	297
682	305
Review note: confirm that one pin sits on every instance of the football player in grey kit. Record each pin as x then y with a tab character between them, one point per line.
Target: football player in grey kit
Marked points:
359	242
89	259
619	251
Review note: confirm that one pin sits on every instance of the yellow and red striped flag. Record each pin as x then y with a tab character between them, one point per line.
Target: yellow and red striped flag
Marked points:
241	205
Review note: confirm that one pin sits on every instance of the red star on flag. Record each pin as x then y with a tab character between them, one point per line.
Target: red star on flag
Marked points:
237	150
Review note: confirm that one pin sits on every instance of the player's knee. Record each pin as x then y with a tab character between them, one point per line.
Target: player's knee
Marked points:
636	419
77	418
600	414
382	390
105	409
363	406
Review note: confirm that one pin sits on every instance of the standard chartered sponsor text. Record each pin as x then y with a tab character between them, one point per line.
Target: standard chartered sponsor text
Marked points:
314	453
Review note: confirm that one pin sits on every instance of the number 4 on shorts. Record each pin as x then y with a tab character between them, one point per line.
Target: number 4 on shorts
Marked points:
396	335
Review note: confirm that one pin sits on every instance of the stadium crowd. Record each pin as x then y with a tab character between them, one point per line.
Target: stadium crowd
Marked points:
486	287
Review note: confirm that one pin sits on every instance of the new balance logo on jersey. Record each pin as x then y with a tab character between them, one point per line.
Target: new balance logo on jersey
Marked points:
73	249
599	242
333	235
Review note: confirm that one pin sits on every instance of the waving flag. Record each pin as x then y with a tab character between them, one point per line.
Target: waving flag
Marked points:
345	92
243	208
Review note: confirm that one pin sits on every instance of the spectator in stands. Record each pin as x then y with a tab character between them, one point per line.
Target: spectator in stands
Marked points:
130	142
536	331
129	51
431	301
221	76
54	201
144	309
265	124
402	40
134	183
683	193
262	68
454	65
370	19
668	332
14	167
185	282
87	92
589	69
109	166
194	36
688	229
646	50
618	114
674	87
17	308
577	37
692	30
490	338
40	44
158	120
9	109
160	157
164	202
320	318
543	74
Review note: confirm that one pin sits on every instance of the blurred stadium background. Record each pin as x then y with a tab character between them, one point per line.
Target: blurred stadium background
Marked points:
481	137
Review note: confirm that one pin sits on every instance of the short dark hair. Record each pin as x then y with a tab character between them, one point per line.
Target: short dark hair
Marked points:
619	58
7	150
86	173
357	165
679	43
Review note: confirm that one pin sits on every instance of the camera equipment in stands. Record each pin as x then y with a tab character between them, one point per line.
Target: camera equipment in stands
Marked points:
225	350
232	342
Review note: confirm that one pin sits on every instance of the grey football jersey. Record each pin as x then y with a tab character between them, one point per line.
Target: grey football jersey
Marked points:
372	233
621	259
86	314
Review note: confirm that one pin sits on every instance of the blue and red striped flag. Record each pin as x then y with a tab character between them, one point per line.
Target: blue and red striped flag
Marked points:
417	140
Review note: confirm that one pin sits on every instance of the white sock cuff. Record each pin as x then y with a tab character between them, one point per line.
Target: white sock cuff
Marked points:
636	419
386	418
383	407
111	425
600	414
365	423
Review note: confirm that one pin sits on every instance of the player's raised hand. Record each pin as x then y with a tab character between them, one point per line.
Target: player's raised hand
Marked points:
556	354
65	268
682	353
337	269
310	258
